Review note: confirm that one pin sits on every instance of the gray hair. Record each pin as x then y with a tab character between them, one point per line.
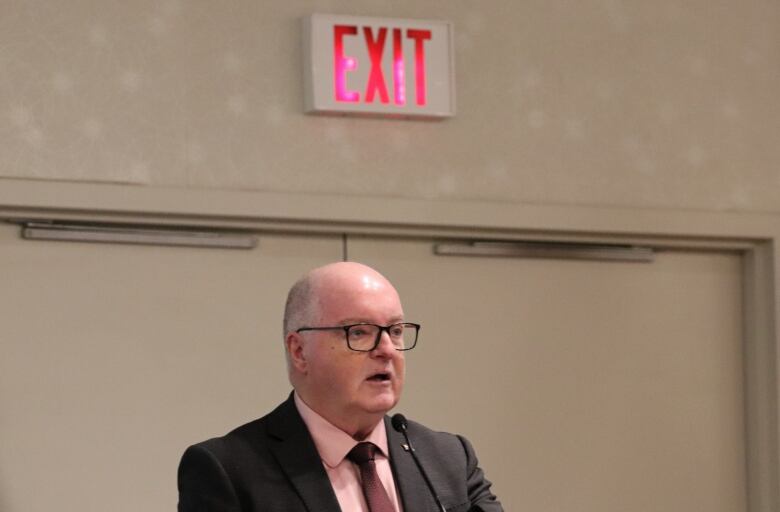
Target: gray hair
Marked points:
300	305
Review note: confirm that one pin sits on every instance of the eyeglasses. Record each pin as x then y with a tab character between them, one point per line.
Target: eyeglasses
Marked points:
365	337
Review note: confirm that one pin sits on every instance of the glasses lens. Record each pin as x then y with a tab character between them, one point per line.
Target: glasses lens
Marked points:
403	336
363	337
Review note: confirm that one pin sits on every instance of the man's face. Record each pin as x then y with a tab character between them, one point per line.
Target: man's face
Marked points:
351	388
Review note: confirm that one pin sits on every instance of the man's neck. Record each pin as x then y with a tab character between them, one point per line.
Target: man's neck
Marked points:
358	427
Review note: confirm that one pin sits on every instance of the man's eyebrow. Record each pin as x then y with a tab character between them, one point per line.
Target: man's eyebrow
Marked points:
357	320
350	321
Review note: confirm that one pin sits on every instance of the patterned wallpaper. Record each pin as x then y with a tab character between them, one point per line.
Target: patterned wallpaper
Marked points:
663	104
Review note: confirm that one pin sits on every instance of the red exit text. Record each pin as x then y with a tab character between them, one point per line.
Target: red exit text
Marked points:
375	40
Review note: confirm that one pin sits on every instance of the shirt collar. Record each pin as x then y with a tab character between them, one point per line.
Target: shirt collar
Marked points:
333	444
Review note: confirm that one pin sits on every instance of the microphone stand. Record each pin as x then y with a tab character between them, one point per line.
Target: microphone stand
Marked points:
399	424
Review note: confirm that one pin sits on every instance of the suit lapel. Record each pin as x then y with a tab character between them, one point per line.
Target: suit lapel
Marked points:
298	458
415	495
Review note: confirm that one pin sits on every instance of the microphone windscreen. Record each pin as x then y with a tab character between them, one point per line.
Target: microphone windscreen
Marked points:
399	422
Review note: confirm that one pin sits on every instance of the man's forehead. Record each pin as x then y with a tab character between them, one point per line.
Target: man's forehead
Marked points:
352	320
358	302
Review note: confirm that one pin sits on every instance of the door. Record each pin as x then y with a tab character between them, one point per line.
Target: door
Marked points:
584	385
114	358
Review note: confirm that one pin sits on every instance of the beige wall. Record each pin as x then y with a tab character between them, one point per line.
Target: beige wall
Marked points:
664	104
647	110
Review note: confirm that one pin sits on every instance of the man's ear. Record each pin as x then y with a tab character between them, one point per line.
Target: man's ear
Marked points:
294	343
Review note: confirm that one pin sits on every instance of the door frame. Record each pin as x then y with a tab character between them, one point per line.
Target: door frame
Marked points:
755	236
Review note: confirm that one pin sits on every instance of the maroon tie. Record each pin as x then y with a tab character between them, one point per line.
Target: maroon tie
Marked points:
376	496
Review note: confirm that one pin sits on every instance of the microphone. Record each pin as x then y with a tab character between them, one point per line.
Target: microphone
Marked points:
399	424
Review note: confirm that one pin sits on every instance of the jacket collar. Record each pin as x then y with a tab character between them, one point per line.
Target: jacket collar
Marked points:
299	459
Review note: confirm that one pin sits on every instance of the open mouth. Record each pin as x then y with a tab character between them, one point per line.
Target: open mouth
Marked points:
380	377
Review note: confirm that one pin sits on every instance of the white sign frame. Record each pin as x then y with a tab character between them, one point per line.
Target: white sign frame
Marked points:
340	76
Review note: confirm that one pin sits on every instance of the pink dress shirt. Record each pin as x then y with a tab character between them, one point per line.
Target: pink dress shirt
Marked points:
333	445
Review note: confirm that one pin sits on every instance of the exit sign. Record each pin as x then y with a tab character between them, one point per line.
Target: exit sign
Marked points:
378	66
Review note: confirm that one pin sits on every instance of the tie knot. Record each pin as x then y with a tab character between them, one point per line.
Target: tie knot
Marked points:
362	453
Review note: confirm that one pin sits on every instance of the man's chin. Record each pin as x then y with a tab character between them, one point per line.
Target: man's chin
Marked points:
381	404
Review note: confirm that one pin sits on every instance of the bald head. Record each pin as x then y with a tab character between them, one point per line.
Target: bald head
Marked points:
326	284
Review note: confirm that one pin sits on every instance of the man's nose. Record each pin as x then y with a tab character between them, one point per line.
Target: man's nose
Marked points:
385	348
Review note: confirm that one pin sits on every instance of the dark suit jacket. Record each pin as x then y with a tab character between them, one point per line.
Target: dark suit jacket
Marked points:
272	465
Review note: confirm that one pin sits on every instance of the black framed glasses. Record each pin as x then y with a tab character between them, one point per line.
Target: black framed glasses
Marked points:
365	337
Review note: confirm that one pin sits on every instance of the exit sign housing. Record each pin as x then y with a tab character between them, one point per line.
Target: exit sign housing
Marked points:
378	66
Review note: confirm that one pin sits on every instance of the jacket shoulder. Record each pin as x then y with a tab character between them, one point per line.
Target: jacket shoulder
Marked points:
453	468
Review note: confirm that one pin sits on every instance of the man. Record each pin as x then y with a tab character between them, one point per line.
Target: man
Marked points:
330	446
